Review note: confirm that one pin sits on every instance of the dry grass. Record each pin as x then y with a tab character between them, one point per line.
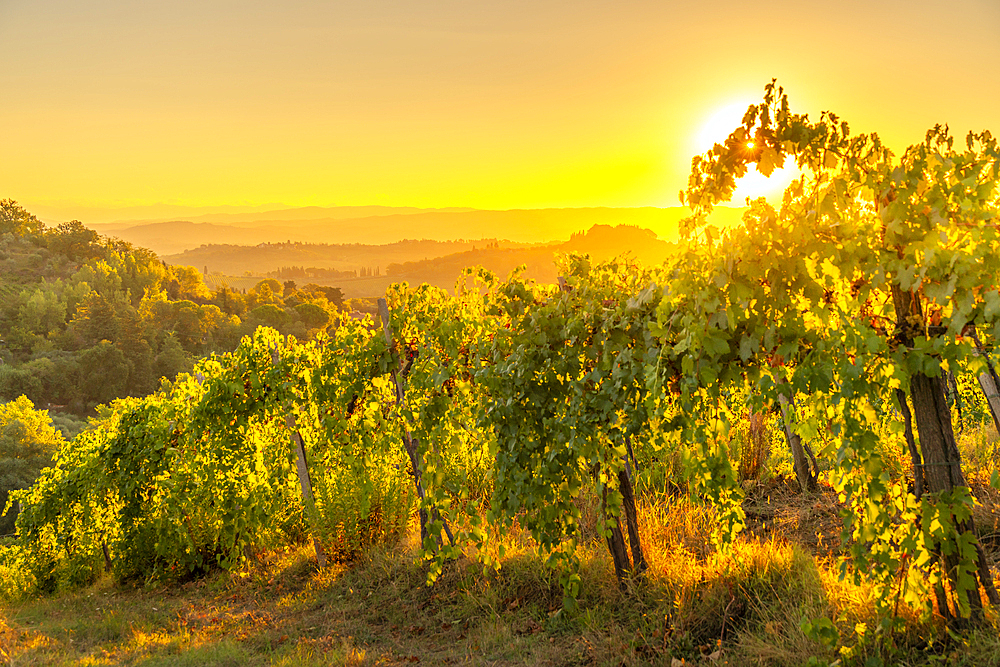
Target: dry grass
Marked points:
695	605
753	437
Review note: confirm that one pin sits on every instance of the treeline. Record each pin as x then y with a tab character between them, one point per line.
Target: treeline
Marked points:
85	319
29	438
313	259
311	272
600	242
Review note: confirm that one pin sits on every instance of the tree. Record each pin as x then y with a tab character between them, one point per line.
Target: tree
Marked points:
188	325
75	241
190	284
97	319
27	443
43	311
104	373
894	260
266	292
313	316
268	315
101	277
140	270
273	285
229	301
15	220
172	359
332	294
18	381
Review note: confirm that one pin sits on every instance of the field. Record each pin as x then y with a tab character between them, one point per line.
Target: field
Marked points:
777	447
351	288
282	611
694	605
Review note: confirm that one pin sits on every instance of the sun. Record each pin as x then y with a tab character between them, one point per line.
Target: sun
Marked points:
718	124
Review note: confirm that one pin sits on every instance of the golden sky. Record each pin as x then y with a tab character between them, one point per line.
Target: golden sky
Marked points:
514	104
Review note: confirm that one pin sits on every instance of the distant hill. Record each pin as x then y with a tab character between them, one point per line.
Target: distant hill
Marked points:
263	258
384	225
601	242
373	267
322	213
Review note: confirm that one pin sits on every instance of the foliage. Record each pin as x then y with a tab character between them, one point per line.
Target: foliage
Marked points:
201	473
438	351
872	274
511	404
15	220
566	381
87	319
16	581
27	444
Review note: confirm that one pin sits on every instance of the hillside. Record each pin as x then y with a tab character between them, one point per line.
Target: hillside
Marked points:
371	269
385	227
86	319
601	242
232	259
286	214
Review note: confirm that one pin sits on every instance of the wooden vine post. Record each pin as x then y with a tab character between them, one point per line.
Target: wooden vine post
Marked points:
988	380
803	473
410	443
305	481
624	565
108	563
988	383
639	564
616	542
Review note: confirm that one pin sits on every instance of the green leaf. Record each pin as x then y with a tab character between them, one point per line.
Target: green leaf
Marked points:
991	307
767	161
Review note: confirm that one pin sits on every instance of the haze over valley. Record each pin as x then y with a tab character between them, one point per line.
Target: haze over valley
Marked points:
363	249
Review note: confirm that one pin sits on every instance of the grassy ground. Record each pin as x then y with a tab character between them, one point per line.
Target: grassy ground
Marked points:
694	607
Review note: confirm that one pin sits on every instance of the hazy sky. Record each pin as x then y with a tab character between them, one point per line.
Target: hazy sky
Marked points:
486	104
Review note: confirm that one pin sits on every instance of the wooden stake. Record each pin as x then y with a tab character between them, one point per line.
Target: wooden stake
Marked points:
616	542
409	442
107	556
807	481
988	381
631	516
302	468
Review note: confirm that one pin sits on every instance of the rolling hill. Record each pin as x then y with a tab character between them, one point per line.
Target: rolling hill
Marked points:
384	225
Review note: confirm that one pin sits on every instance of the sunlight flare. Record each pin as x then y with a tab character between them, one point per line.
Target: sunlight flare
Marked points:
715	129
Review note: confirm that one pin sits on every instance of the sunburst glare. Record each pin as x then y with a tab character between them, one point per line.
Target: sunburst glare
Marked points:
717	126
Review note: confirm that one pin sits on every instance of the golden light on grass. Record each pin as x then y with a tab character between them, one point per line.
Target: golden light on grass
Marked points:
752	597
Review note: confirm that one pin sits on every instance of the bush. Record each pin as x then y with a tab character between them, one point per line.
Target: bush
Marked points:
27	444
16	579
364	504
